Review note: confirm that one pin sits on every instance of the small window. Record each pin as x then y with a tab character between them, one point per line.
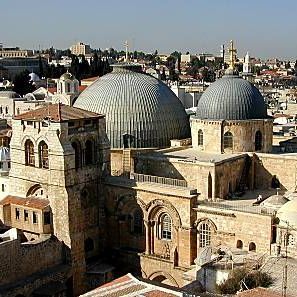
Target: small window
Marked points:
46	218
6	110
1	165
8	164
200	137
258	141
29	123
43	155
26	215
166	226
70	124
89	152
252	247
17	213
35	218
3	188
228	140
88	122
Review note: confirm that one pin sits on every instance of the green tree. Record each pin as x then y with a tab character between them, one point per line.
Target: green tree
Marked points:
251	279
22	84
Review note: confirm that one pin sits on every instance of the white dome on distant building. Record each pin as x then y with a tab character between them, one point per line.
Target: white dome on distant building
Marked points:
287	214
34	77
274	202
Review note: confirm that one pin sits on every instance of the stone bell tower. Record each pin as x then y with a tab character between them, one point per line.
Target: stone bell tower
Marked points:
60	153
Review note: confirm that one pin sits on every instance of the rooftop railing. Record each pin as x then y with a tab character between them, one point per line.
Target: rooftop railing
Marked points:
144	178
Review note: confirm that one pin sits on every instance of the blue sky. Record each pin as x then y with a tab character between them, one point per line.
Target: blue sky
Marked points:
265	28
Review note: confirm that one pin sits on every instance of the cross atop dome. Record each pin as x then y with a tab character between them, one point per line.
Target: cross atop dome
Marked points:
232	52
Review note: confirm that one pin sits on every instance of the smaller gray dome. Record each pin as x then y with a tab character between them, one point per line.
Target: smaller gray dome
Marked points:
67	76
34	77
9	94
274	202
231	98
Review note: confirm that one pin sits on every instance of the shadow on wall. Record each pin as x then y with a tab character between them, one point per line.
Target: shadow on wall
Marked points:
163	168
263	179
124	216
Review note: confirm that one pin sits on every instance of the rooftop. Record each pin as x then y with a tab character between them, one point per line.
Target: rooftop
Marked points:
57	113
189	154
30	202
128	285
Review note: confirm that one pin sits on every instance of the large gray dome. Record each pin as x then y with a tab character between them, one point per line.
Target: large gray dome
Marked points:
231	98
138	105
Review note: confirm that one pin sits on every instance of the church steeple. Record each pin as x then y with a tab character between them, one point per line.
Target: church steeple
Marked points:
232	52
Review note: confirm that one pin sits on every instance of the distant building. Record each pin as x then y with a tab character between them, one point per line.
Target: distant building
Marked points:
14	52
80	49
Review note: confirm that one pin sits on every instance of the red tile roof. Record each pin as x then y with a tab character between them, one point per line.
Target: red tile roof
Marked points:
128	285
30	202
57	113
260	292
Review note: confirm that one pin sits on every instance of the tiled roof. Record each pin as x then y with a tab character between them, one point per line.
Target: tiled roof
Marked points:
30	202
128	285
57	113
259	292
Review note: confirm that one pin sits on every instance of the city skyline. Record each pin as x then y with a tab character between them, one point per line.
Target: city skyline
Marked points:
263	29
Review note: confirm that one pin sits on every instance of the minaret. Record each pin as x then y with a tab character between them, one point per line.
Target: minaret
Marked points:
232	58
126	44
247	64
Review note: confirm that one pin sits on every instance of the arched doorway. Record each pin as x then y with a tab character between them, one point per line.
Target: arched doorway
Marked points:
252	247
239	244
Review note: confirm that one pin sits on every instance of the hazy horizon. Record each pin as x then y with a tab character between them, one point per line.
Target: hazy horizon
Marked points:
263	28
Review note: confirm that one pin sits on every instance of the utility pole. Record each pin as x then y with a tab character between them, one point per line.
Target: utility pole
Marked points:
285	271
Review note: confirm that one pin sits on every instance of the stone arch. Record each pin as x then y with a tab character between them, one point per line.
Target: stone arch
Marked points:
162	275
156	207
27	137
126	203
33	190
239	244
252	247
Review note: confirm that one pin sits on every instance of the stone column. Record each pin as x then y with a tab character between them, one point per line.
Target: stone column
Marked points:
152	223
147	237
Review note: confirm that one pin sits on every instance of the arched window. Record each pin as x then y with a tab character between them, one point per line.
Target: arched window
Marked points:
166	226
252	247
29	153
89	245
6	110
43	155
228	140
290	240
239	244
77	154
204	235
209	186
200	137
137	222
258	141
1	109
89	152
68	88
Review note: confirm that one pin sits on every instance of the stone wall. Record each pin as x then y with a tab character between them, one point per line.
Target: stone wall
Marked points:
23	259
243	135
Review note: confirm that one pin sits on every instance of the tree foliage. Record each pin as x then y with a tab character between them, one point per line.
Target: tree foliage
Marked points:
251	279
22	84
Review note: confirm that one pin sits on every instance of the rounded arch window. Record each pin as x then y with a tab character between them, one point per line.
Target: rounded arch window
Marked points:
43	154
204	234
228	140
29	153
165	227
89	152
258	141
252	247
239	244
200	137
77	154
